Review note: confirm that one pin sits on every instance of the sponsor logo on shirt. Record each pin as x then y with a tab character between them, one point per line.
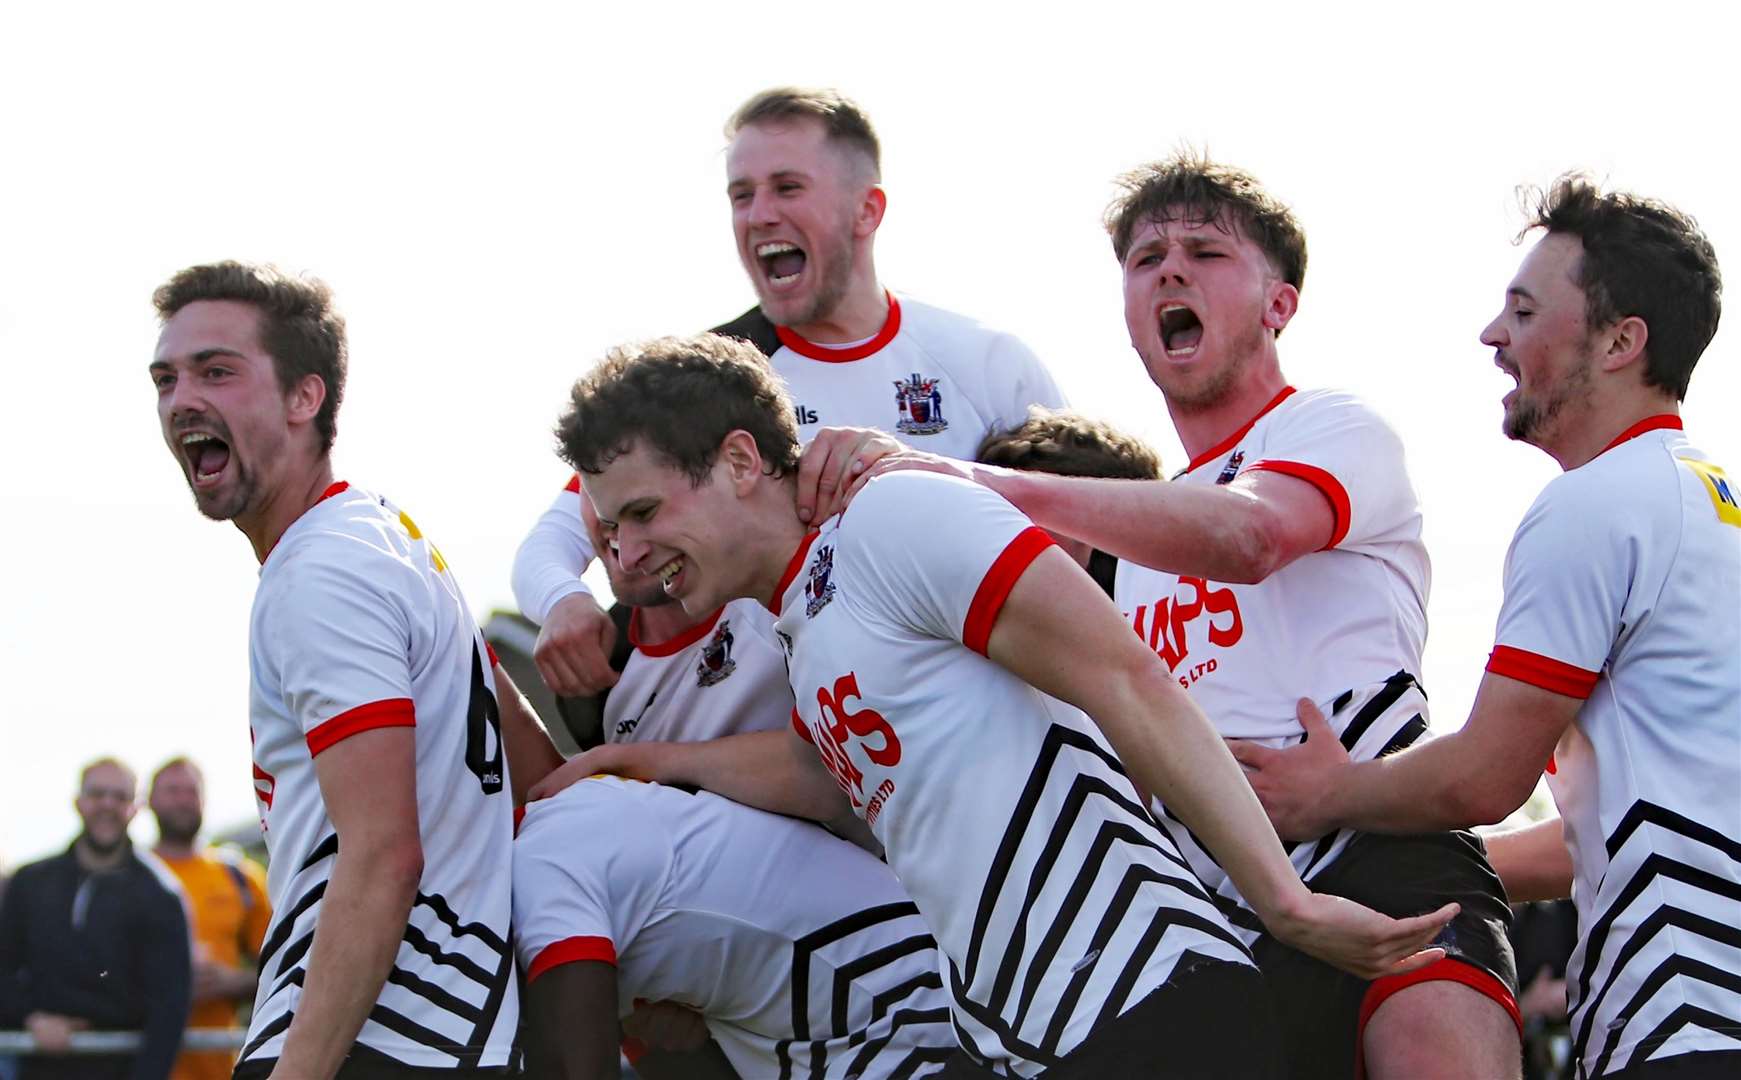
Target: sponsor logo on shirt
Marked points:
716	662
1723	494
1168	626
818	591
839	726
918	406
804	415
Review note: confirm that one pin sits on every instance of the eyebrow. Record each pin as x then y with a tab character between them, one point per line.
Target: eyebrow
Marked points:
204	356
1523	293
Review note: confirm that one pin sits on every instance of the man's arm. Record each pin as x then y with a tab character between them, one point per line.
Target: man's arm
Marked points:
1474	776
775	771
1172	750
574	1017
166	958
575	634
531	755
1240	532
14	1001
369	784
1533	862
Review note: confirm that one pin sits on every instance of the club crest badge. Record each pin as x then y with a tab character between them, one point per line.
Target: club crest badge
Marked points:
819	590
918	406
716	662
1231	469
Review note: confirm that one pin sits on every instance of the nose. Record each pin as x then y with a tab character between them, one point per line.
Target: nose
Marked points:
762	211
1494	335
1174	266
632	549
184	399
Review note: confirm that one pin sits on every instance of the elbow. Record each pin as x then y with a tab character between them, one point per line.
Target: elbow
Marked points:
1256	550
1486	803
397	865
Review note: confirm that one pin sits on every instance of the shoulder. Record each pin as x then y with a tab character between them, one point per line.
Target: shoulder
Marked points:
1340	408
939	327
754	327
154	876
909	498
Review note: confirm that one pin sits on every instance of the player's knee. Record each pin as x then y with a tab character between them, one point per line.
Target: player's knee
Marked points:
1441	1029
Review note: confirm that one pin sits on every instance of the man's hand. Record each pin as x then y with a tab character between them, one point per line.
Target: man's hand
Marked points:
666	1025
832	461
1294	784
574	647
53	1032
1359	940
634	760
219	982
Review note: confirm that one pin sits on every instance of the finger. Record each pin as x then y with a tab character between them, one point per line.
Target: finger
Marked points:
1412	963
813	467
1312	720
555	673
1250	754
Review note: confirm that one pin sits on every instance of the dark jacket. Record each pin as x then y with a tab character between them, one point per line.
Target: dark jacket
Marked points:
108	947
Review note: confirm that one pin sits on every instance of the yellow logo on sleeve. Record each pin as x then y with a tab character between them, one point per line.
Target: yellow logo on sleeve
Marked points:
1724	496
435	558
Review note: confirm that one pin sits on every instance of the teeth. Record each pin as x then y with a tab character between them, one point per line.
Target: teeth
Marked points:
1171	307
670	571
1182	352
193	437
783	280
775	247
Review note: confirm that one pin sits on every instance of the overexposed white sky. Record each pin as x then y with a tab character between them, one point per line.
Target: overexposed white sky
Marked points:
498	193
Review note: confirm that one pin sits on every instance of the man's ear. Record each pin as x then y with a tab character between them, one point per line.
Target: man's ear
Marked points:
1623	343
742	460
1283	301
304	400
870	211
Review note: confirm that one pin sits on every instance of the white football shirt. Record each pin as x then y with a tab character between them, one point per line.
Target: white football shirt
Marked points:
725	675
936	380
802	952
358	624
1056	900
1623	589
1343	626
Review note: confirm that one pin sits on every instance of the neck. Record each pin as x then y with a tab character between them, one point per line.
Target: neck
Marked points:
1201	428
859	314
263	527
782	533
662	622
174	849
92	859
1586	437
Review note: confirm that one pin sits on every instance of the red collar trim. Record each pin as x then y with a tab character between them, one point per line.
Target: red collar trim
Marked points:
803	347
792	568
1233	440
675	645
1649	423
332	489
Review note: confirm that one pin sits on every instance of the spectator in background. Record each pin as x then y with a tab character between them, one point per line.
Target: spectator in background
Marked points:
227	910
96	938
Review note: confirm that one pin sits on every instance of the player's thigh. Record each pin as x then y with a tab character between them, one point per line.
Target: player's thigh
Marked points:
1441	1029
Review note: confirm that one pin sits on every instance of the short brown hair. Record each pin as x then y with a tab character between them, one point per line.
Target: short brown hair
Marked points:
1641	257
1190	187
180	761
682	397
107	762
843	121
299	328
1070	444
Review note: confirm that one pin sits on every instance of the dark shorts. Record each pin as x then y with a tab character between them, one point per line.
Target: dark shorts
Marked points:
1713	1065
1323	1010
1213	1021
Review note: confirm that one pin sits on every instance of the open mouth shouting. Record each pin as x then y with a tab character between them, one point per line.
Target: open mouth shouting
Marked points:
208	457
1181	330
782	263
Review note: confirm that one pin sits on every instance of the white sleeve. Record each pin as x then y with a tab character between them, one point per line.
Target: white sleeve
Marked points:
937	554
340	626
1348	452
1567	577
588	873
552	557
1025	380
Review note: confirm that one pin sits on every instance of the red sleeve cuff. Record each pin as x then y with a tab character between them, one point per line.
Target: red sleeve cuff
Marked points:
393	712
1327	484
573	484
569	951
495	661
995	588
798	726
1554	676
